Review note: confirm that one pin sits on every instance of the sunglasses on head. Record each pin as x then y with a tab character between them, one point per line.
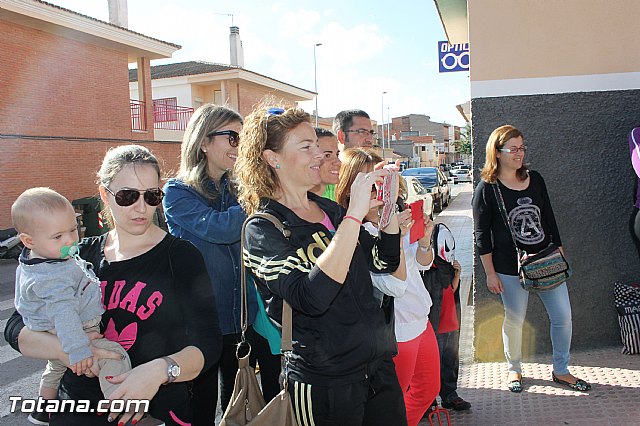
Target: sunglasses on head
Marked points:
270	112
234	137
128	197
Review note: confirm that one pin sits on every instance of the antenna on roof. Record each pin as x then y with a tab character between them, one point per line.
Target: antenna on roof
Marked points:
226	14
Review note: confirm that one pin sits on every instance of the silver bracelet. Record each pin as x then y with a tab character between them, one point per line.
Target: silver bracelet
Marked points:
425	249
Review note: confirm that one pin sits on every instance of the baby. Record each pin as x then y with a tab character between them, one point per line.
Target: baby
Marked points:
57	294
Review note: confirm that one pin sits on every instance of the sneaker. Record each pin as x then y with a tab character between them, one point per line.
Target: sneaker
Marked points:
39	418
457	404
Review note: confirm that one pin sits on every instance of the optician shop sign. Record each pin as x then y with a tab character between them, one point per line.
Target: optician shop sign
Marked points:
453	57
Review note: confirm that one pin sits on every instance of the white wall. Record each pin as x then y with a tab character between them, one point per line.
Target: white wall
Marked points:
162	89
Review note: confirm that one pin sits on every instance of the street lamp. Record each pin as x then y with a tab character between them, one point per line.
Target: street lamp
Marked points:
315	78
382	123
389	126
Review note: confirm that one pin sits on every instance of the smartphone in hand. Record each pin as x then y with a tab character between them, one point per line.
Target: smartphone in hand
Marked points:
387	193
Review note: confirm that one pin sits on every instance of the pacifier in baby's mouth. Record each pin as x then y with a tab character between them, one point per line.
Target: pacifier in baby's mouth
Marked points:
69	251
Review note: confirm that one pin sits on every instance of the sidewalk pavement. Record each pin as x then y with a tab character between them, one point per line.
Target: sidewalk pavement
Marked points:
615	378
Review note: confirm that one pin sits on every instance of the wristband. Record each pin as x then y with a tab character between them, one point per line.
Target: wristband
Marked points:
354	219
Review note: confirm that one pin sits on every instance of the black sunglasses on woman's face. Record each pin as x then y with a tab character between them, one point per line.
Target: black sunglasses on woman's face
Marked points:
128	197
234	137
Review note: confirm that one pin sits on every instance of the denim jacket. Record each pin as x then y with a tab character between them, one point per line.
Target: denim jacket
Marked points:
214	228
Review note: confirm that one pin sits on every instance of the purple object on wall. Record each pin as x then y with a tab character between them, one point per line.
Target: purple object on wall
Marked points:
634	150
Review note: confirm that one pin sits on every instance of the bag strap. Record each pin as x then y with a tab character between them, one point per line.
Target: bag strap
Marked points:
503	213
286	339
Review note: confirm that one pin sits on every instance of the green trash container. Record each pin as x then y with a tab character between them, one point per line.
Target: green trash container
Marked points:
91	207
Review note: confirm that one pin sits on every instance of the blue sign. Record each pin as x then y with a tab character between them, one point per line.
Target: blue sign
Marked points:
453	57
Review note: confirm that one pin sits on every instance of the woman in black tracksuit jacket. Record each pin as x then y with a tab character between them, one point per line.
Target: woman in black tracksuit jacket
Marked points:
341	371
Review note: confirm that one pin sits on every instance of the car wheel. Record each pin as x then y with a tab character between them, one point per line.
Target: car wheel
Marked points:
437	206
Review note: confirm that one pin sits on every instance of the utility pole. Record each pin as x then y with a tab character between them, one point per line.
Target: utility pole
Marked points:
315	78
382	123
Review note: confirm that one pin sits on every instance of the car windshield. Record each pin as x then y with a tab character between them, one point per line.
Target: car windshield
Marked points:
426	176
427	181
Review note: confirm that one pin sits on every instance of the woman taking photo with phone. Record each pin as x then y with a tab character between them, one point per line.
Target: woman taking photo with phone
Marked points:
531	218
341	371
418	360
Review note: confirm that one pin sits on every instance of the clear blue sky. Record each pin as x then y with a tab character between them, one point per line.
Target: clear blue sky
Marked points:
368	47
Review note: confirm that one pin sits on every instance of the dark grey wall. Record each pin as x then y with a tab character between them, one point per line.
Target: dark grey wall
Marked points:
403	146
578	141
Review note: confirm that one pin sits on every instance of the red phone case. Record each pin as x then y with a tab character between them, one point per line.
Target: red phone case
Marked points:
417	214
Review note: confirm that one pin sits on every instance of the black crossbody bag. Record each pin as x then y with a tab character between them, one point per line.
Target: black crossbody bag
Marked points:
541	271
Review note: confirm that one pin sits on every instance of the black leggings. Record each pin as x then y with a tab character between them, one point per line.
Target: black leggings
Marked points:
375	401
634	226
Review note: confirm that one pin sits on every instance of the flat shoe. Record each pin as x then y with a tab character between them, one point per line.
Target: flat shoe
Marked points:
457	404
579	385
515	386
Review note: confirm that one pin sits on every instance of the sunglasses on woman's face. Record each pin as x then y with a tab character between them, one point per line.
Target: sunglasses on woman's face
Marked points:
234	137
128	197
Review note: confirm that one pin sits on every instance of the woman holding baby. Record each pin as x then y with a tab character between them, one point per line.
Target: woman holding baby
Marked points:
159	304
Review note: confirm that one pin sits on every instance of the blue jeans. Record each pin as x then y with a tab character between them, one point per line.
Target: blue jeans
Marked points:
556	302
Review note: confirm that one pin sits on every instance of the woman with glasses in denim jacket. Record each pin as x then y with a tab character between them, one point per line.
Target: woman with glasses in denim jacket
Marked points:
201	206
531	217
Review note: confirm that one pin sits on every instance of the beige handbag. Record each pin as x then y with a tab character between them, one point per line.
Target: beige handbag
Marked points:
247	405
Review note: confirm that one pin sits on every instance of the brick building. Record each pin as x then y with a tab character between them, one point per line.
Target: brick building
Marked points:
64	98
67	95
433	142
180	88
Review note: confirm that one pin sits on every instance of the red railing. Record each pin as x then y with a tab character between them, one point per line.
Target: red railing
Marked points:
169	116
166	115
138	115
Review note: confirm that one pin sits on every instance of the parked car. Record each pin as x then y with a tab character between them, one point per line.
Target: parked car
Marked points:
416	191
444	168
461	174
435	182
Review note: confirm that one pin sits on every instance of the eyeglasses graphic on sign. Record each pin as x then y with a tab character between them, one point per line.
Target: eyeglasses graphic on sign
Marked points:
453	57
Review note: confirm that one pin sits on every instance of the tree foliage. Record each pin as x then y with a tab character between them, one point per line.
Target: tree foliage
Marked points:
465	140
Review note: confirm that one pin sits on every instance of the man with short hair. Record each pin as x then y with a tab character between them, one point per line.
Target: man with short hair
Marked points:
330	165
353	129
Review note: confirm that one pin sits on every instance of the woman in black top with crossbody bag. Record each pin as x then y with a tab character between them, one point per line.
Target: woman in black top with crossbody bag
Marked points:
534	227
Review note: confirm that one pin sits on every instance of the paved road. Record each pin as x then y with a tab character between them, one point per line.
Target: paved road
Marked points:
20	375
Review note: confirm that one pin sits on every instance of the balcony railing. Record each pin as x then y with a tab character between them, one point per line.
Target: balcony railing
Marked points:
138	115
166	115
170	117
